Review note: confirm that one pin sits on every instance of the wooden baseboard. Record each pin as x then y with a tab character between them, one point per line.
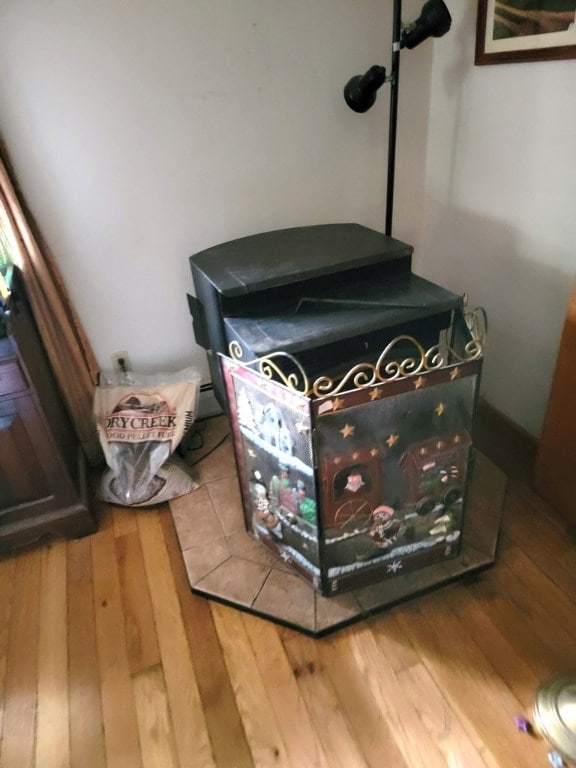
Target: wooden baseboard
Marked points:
504	442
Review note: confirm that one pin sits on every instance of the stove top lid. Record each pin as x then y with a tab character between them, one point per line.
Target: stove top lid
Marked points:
327	317
287	256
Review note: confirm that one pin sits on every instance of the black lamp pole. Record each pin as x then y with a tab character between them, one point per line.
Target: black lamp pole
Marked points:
360	91
393	119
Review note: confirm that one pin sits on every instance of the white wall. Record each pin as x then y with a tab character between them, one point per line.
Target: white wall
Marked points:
145	131
500	218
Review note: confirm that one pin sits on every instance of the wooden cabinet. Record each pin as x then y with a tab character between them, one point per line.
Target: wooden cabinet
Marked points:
43	490
555	473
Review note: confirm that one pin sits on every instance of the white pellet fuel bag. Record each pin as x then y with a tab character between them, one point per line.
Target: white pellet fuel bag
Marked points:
141	420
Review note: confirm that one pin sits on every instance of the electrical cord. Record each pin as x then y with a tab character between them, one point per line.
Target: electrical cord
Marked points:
218	444
195	442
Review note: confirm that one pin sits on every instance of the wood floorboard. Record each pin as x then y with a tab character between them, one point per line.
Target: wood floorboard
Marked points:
188	718
327	714
154	722
367	721
140	628
225	727
18	745
52	748
261	724
119	710
386	694
286	698
87	747
478	696
107	660
7	568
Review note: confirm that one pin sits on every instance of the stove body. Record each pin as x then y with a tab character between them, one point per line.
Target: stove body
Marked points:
359	476
330	295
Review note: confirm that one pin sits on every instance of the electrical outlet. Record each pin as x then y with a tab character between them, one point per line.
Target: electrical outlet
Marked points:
121	362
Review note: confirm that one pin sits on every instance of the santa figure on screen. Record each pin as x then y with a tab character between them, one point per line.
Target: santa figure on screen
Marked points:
384	527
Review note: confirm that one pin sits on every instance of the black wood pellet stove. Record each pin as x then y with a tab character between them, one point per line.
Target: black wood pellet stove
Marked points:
350	383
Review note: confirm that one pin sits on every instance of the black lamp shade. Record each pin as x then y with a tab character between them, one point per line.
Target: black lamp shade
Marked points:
434	21
360	91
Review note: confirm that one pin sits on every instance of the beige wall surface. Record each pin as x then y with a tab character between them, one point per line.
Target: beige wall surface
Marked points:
499	222
143	132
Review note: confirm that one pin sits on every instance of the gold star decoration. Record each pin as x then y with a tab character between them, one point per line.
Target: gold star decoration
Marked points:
374	452
392	440
347	431
337	403
419	382
251	453
337	460
355	455
374	394
440	409
454	373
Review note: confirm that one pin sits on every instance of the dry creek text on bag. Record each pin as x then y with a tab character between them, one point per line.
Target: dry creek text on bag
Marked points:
136	428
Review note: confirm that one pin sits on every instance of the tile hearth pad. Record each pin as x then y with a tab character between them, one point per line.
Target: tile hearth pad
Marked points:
226	563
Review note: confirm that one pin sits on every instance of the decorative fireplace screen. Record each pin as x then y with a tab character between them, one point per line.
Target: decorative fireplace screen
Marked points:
362	477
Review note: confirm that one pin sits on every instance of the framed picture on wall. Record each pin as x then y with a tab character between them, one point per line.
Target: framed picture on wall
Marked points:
525	30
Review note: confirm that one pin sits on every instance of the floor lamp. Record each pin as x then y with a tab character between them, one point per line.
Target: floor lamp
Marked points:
360	91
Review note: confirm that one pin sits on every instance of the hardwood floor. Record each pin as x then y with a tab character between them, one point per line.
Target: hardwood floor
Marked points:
108	660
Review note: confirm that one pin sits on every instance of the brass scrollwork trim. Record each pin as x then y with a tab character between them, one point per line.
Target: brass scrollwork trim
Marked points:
363	375
366	375
268	367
